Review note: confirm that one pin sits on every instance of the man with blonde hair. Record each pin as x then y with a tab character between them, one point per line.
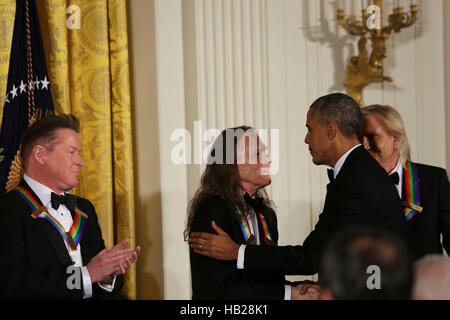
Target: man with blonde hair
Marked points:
424	189
432	278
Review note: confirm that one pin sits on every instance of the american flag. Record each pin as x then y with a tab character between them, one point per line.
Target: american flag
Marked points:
28	91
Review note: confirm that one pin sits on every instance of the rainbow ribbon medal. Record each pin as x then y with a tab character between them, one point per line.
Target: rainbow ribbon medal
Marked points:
267	238
73	236
412	202
249	237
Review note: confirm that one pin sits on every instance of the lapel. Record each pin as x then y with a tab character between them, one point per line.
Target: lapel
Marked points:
404	189
262	235
87	251
50	232
260	229
403	185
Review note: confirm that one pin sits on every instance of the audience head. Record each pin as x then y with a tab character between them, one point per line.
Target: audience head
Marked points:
50	152
366	264
334	122
384	136
432	278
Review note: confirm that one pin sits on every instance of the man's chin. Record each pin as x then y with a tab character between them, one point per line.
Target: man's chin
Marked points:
317	162
71	186
266	182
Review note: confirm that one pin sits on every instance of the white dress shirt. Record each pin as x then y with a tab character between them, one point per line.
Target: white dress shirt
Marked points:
399	169
253	224
63	216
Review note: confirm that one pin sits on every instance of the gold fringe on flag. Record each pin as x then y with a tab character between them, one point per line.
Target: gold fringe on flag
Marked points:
15	173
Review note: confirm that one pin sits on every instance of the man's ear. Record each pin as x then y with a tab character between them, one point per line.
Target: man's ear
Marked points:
38	154
396	142
332	130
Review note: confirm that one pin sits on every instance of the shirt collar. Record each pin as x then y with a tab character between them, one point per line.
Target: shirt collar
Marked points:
398	168
243	192
340	162
43	192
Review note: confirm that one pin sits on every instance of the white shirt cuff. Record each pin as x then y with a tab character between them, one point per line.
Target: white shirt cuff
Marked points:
108	287
287	292
87	284
241	255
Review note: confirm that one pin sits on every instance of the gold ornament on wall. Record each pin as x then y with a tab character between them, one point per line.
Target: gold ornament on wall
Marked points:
365	69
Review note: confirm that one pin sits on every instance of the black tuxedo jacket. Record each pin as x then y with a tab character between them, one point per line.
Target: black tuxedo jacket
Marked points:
214	279
425	228
33	255
362	195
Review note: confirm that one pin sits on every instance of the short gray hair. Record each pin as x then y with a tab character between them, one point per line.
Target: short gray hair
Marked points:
340	109
432	278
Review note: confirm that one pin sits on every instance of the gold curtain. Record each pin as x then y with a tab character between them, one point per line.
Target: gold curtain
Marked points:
88	70
7	14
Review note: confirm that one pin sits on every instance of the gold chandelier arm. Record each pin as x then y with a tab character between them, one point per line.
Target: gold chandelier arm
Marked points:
412	17
351	24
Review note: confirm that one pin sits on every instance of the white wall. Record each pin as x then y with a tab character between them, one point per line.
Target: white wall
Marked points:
262	63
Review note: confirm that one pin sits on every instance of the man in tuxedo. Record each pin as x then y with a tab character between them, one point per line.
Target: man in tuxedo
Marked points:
360	194
51	245
232	195
425	189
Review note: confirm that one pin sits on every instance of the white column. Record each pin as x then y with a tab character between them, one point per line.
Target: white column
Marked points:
231	62
171	112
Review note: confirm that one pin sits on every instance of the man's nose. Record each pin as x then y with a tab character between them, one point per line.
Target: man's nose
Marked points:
79	160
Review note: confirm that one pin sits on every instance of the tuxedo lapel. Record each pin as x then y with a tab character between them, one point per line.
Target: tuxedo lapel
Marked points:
403	186
260	230
417	184
50	232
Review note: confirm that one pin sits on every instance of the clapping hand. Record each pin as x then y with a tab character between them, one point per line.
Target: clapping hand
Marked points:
112	261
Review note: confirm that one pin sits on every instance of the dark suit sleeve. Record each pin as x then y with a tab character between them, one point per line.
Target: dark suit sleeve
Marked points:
444	210
97	244
213	279
17	279
342	208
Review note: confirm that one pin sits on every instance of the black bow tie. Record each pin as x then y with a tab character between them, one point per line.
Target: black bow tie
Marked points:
68	200
330	173
395	177
254	202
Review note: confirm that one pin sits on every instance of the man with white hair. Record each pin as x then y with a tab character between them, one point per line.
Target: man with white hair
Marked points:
432	278
424	189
